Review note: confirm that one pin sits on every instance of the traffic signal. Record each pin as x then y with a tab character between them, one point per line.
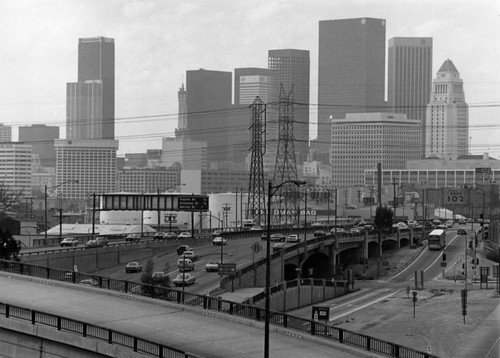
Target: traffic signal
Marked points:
444	256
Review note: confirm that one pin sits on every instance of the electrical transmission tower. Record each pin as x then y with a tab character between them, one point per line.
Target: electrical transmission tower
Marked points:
286	166
256	194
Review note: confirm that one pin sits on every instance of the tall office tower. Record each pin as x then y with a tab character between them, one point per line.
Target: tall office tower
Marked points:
447	115
90	162
351	70
96	62
41	138
5	133
410	77
208	101
186	154
15	168
84	110
249	83
182	114
289	68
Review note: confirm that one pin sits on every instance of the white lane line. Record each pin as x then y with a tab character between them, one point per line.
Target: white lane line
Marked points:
361	307
335	306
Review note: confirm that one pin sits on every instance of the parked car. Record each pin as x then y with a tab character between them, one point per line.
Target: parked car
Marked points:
190	254
279	246
184	279
69	241
461	231
133	238
133	266
185	235
212	266
319	233
185	265
293	238
182	248
219	241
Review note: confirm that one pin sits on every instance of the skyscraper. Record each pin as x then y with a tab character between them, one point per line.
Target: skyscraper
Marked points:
41	138
182	114
84	103
447	127
249	83
289	68
410	77
208	101
96	62
5	133
351	70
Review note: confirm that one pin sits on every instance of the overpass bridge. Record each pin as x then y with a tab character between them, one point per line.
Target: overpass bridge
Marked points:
44	318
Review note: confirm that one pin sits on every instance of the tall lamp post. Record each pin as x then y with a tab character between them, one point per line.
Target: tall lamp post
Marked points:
270	192
53	188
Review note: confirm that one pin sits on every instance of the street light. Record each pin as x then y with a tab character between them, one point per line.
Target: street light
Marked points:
53	188
270	192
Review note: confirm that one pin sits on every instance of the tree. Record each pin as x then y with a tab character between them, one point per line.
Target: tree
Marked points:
383	219
9	248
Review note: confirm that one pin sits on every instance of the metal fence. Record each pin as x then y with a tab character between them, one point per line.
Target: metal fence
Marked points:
178	296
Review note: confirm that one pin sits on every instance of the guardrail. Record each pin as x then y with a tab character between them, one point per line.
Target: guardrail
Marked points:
214	303
84	329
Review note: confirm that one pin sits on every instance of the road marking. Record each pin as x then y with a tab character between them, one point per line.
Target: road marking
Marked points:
439	256
362	306
372	293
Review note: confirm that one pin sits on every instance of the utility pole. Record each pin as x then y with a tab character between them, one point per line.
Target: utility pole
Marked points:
226	209
394	197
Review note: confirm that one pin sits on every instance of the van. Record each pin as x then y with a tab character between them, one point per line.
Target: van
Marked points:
185	265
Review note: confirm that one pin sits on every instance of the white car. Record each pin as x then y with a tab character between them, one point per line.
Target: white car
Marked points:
184	279
185	235
69	241
219	241
292	238
400	225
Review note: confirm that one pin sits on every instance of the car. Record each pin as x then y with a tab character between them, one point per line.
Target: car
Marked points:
185	265
182	248
263	236
461	231
133	238
442	227
340	230
450	223
89	282
217	233
184	279
158	235
354	231
158	274
169	236
185	235
400	226
317	224
133	266
279	246
219	241
412	223
69	241
212	266
190	254
277	237
319	233
293	238
462	221
100	241
256	228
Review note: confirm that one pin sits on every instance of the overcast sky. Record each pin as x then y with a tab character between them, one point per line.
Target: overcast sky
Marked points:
157	41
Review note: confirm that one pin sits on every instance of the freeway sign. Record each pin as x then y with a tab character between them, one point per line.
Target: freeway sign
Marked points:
227	269
454	196
192	202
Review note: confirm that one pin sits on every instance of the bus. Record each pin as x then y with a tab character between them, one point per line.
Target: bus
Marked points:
436	239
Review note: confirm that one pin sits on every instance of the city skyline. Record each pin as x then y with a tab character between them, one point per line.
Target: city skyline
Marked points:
156	43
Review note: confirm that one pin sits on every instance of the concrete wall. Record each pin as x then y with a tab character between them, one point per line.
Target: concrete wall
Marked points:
22	339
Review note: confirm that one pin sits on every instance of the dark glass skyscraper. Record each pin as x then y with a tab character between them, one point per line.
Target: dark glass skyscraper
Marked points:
351	70
96	62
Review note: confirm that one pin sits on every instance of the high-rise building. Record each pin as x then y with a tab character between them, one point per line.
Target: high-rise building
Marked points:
90	162
41	138
84	110
361	140
5	133
249	83
208	101
447	122
290	69
351	70
183	153
410	77
96	62
182	114
15	167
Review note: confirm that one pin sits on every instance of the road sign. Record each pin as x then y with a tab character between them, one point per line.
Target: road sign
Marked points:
256	247
227	269
192	202
320	313
454	197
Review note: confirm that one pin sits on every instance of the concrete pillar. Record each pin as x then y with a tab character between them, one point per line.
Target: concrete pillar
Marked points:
398	239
